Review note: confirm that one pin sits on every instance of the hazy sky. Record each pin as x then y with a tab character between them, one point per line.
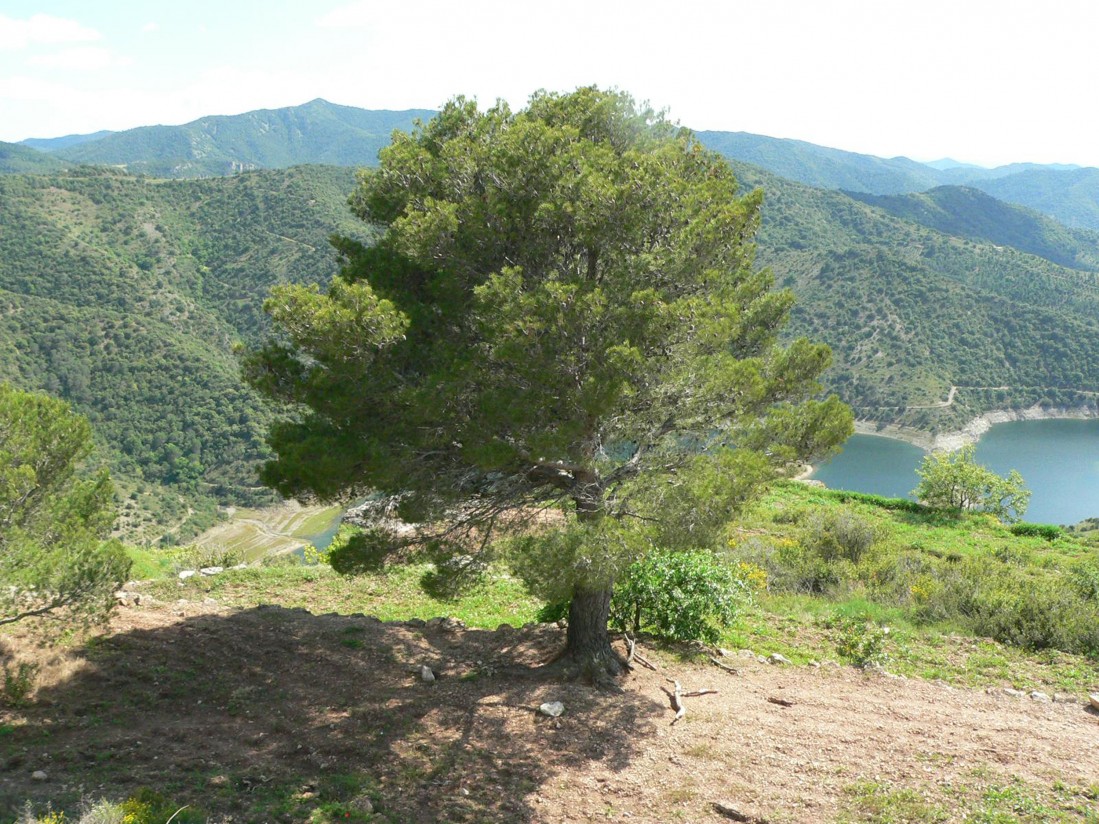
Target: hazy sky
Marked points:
985	82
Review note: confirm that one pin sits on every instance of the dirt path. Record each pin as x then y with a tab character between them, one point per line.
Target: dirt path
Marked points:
250	715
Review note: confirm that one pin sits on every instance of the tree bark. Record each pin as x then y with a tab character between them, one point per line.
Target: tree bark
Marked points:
588	652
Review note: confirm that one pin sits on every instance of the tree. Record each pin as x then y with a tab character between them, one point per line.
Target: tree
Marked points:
53	523
954	480
561	311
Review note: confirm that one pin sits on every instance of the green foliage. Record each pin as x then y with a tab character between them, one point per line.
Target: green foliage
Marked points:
954	480
684	596
1050	532
859	639
562	310
19	681
54	523
354	551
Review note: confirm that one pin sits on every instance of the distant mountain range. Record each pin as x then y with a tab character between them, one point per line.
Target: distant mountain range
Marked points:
325	133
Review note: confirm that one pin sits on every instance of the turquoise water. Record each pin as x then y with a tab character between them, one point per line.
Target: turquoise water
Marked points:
1058	459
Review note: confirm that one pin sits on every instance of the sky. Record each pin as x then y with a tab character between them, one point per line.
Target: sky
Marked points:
982	82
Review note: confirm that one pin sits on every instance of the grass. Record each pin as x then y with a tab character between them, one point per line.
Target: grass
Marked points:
987	799
392	595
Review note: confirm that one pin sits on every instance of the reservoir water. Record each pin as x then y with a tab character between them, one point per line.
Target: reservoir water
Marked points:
1058	459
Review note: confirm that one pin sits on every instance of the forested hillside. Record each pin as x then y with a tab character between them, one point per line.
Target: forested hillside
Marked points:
910	311
16	159
316	132
1067	193
127	296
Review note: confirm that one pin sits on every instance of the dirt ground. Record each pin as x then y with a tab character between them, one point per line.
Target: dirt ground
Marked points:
264	714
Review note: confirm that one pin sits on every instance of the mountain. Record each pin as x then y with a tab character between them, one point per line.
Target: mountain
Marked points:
910	310
823	167
318	132
127	296
53	144
16	158
971	213
1067	193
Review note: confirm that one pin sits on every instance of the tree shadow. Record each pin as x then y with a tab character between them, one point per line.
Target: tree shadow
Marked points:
269	714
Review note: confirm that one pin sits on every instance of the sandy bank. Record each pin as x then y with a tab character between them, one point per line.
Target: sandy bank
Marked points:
972	431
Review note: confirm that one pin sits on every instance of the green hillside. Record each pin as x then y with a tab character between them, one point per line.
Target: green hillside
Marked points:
1071	196
971	213
910	311
823	167
314	133
127	296
18	159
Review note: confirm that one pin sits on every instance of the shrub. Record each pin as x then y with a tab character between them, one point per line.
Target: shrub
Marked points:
1049	532
681	595
859	639
356	551
839	535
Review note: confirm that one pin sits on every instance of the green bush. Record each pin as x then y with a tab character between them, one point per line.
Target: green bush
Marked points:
859	639
684	596
355	551
1049	532
839	535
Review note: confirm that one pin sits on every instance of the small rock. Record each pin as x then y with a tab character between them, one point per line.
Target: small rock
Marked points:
362	804
453	624
214	570
724	653
218	781
777	658
1094	700
552	709
746	653
505	629
815	664
426	675
186	573
418	623
1037	695
239	566
1014	693
40	775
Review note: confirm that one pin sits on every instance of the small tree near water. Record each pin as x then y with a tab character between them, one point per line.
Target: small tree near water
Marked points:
561	312
954	480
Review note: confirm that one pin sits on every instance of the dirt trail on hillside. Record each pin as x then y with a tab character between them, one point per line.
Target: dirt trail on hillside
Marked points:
265	714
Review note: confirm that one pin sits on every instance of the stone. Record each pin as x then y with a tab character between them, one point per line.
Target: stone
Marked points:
40	775
417	623
362	804
1014	693
1037	695
1094	700
212	570
186	573
552	709
777	658
746	653
426	675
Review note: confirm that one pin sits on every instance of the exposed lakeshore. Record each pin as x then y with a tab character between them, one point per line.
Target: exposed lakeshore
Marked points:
972	431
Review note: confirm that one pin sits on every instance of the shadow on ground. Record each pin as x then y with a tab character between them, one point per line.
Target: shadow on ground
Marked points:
274	714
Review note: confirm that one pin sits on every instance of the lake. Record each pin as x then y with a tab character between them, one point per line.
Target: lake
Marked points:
1058	459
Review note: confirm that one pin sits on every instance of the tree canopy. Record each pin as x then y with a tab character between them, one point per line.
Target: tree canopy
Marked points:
954	480
561	311
53	523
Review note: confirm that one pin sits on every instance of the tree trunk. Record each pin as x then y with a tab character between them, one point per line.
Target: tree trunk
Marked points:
588	652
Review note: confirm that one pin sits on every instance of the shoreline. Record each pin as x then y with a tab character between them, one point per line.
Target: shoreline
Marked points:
972	431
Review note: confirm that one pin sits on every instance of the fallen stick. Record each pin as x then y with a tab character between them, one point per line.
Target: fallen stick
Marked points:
677	702
696	693
726	667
